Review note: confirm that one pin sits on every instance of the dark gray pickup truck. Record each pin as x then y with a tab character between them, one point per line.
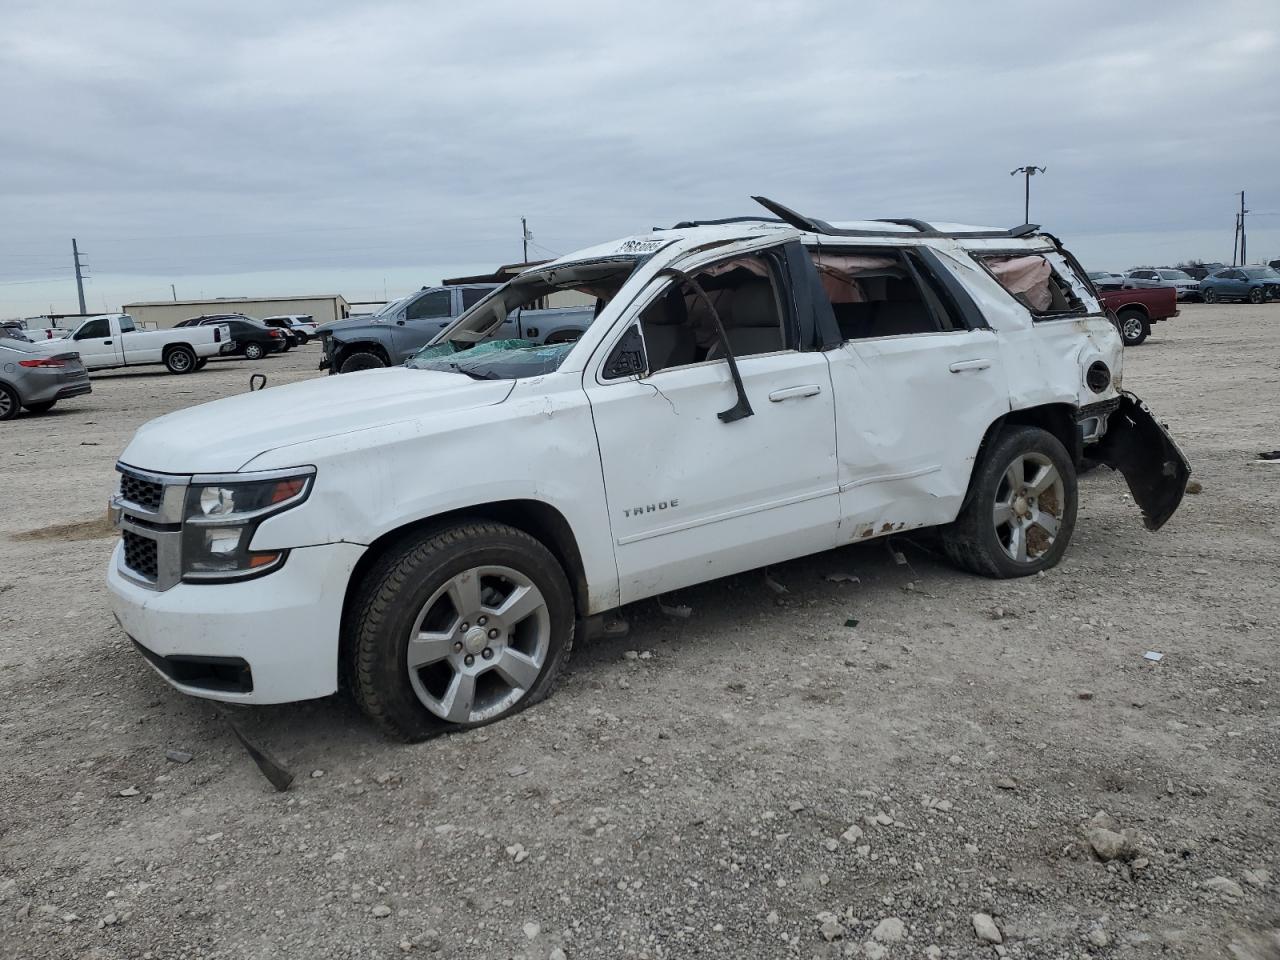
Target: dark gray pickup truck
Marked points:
402	328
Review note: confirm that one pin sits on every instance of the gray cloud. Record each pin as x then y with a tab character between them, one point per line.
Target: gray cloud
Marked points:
290	140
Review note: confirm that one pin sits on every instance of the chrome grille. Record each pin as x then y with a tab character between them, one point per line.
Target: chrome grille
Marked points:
140	555
145	493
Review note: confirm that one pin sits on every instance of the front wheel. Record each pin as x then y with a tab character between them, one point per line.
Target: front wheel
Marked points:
361	360
1021	509
1257	295
202	363
1209	295
180	360
1134	327
253	351
467	625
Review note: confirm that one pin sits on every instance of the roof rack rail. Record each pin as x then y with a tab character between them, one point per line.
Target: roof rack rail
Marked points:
686	224
923	229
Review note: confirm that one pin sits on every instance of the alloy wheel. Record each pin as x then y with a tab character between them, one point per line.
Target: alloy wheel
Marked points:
1029	506
1132	328
479	644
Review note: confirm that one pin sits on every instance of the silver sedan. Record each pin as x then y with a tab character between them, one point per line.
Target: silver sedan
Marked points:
34	381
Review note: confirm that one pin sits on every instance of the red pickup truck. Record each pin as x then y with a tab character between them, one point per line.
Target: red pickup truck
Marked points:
1137	310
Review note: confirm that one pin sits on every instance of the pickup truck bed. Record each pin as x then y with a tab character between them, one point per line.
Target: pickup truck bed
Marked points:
1138	309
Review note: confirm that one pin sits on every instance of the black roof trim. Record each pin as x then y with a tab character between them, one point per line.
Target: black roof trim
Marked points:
923	229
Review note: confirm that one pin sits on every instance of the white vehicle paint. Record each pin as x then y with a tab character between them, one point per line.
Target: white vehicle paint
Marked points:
112	340
862	412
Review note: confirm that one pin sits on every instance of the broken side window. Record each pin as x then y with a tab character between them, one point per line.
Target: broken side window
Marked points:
1037	281
679	329
885	292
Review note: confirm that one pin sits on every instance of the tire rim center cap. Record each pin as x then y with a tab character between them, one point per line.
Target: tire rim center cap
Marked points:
475	640
1020	507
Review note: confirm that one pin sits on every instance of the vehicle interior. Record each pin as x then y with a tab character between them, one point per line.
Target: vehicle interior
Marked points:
882	293
678	327
1032	281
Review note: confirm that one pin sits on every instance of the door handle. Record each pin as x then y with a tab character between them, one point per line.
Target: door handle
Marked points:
106	343
961	366
791	393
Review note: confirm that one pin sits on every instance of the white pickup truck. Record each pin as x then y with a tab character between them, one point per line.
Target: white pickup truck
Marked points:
112	340
435	535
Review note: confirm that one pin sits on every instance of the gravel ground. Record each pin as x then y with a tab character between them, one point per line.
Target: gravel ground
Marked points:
760	780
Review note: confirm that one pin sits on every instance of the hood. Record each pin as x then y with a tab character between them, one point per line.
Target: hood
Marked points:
222	436
351	323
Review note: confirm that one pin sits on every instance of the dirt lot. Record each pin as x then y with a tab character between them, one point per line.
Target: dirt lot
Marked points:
690	791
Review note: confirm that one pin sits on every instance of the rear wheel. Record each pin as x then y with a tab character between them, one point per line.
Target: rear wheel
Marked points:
361	360
200	363
9	402
1257	295
1021	510
180	360
467	625
1134	327
253	351
1209	295
43	407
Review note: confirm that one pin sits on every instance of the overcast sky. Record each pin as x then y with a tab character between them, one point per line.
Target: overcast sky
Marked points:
280	148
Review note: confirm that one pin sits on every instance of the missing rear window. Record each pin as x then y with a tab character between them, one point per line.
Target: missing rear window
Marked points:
1033	281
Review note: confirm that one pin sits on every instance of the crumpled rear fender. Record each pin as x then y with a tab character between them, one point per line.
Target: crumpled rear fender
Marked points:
1139	447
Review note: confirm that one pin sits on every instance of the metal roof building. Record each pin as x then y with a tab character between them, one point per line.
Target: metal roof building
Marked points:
167	313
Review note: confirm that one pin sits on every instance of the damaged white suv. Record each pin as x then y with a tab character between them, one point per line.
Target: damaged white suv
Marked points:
748	391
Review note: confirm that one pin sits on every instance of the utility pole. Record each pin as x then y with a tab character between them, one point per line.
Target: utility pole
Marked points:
174	291
1244	244
524	239
1028	171
75	255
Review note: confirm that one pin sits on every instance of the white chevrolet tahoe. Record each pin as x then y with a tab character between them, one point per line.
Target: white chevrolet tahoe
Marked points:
748	391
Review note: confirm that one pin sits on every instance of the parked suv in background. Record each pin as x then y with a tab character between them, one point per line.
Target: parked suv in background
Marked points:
1255	284
1187	286
302	326
747	392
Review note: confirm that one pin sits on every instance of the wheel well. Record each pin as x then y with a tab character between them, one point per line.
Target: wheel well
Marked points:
540	520
170	347
1134	308
1056	418
360	346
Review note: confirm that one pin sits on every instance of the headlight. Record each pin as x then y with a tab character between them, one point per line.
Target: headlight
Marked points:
223	513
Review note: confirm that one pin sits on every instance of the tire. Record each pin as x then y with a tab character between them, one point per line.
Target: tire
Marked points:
201	363
1134	327
1257	295
411	591
9	402
180	360
361	360
1209	295
253	351
981	542
43	406
303	339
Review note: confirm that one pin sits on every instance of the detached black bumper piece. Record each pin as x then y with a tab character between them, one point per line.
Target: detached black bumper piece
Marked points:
220	674
1139	447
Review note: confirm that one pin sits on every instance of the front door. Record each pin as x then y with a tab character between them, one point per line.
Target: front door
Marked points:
693	497
96	344
424	318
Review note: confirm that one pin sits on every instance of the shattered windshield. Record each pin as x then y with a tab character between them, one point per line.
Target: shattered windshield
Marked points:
528	326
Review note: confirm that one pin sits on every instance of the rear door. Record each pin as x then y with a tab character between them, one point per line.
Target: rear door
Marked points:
97	344
917	381
693	496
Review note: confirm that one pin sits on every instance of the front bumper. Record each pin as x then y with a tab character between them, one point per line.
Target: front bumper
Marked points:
269	640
